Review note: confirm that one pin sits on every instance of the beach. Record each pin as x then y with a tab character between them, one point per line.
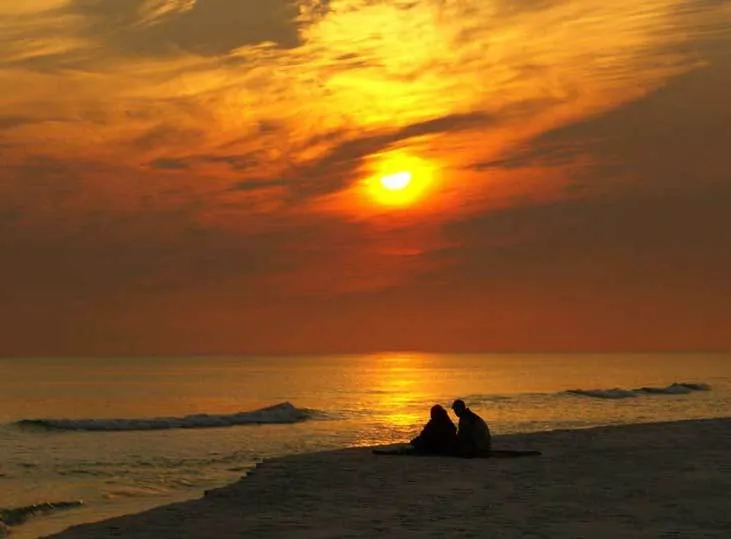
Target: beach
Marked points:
667	479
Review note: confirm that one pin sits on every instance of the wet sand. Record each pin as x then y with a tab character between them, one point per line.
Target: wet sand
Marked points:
662	480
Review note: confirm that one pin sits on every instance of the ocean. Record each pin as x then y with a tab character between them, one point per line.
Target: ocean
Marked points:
128	434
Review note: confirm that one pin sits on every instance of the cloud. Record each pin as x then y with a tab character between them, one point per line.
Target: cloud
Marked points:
254	184
165	135
176	79
671	139
265	108
472	85
335	170
165	27
624	241
234	162
152	12
532	155
9	122
169	164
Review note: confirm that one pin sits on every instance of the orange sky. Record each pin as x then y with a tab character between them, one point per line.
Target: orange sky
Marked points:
203	176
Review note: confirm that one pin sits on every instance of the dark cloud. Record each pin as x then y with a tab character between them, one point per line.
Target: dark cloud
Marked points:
63	253
329	173
167	135
532	155
335	170
113	261
169	164
657	205
673	138
210	27
39	178
255	184
9	122
13	121
641	238
238	163
235	162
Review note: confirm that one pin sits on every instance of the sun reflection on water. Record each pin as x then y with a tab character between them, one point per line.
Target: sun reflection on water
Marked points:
402	384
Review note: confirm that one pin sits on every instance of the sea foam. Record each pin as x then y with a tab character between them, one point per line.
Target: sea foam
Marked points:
284	412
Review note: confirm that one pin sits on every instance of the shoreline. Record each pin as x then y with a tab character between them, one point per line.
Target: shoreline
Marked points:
667	479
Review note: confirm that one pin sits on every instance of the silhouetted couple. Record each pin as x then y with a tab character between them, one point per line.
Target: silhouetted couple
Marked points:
471	438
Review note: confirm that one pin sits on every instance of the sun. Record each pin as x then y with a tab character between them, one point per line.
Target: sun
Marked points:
398	179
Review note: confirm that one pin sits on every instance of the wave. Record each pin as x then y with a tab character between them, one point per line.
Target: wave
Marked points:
283	412
677	388
18	515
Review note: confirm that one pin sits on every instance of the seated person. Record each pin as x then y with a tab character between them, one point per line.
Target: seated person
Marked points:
473	433
439	436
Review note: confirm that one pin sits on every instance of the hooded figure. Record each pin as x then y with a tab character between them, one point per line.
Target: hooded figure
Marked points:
439	435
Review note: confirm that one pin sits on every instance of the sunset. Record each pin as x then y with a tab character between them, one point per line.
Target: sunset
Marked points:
425	201
179	176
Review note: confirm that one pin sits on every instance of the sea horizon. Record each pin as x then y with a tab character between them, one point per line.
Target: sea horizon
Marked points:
375	353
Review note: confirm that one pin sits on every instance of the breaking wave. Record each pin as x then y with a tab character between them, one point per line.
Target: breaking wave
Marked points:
283	412
678	388
18	515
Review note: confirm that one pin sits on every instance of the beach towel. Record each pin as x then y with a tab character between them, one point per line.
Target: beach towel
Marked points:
407	450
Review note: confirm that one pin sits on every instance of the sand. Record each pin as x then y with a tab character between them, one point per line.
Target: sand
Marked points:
663	480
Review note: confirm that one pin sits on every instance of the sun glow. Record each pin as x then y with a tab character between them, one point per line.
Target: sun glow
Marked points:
398	179
396	182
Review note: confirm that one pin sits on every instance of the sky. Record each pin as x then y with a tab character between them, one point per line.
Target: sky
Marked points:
207	176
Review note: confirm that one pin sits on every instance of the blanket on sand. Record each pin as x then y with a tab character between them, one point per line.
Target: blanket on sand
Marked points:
408	450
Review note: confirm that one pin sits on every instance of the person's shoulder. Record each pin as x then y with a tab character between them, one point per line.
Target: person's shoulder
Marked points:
476	417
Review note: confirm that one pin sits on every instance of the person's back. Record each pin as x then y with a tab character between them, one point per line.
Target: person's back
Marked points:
439	435
473	433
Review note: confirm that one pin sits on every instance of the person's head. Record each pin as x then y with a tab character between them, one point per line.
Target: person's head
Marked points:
459	407
438	412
